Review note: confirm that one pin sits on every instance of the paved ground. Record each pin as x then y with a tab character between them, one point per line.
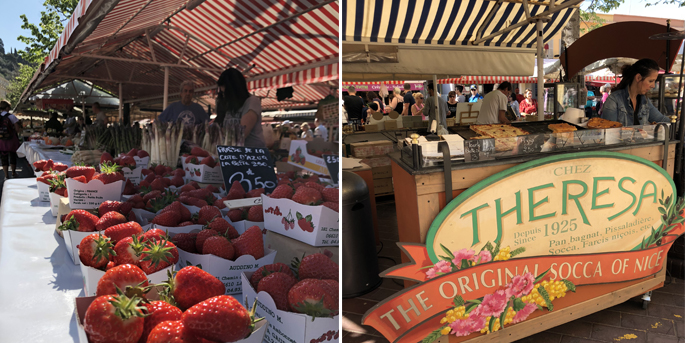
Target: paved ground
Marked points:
662	322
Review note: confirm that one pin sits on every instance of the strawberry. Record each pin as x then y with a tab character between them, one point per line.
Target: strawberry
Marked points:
151	195
187	188
208	319
330	194
223	227
81	170
62	167
95	250
202	237
236	215
157	256
128	251
132	217
38	165
185	241
61	191
132	152
150	177
168	219
135	198
305	223
199	193
110	218
197	151
307	196
250	243
123	230
121	276
146	172
186	223
190	201
282	192
191	160
110	265
108	206
166	181
207	214
157	185
114	319
212	189
177	181
236	192
209	162
268	269
183	211
79	220
106	157
219	203
109	173
171	331
143	184
317	298
192	285
80	178
44	178
332	205
157	312
218	246
154	235
142	154
179	172
314	185
160	169
194	184
255	214
317	266
129	188
127	162
255	193
125	208
49	164
277	285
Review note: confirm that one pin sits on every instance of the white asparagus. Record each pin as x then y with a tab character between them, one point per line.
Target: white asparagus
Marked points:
167	141
179	141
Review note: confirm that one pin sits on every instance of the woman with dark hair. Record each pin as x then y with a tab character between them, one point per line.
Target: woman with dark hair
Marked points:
627	103
234	102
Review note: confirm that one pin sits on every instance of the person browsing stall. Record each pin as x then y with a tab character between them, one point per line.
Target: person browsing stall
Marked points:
627	103
460	95
474	94
429	108
320	130
100	117
9	141
353	104
409	101
494	107
452	104
418	107
234	102
185	111
528	105
396	101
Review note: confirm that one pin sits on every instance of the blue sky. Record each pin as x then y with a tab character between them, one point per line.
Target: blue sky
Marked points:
12	9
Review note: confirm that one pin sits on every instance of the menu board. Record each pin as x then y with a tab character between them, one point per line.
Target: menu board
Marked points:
252	167
479	149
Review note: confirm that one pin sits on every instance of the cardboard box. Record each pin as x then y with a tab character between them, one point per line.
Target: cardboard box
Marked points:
390	124
451	121
54	203
92	194
289	326
43	191
289	248
71	238
372	127
203	173
82	303
382	186
299	157
370	149
325	222
381	172
92	276
142	162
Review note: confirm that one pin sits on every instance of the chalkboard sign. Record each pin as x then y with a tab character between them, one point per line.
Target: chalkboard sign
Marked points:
530	144
252	167
479	149
333	164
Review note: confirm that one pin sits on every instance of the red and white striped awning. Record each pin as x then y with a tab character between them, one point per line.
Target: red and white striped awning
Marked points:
276	44
515	79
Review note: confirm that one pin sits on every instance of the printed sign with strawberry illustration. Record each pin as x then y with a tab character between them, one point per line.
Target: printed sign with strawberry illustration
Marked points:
300	157
316	225
305	223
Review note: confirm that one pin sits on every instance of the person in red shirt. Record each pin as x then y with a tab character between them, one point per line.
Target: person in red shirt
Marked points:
519	97
528	105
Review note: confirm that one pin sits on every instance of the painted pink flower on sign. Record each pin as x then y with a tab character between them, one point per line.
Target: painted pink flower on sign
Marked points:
466	326
492	305
520	285
463	254
482	257
442	267
524	313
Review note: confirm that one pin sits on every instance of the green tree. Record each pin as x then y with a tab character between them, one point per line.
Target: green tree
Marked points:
19	83
44	35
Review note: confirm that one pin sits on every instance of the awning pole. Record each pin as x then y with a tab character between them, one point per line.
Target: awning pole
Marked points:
121	102
166	88
435	100
541	80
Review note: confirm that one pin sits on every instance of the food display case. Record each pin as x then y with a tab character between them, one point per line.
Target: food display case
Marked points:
663	97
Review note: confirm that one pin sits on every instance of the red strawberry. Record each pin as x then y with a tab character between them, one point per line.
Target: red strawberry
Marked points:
307	196
135	198
187	188
194	184
110	218
110	265
150	177
192	285
317	298
207	319
207	214
177	181
157	256
268	269
121	231
121	276
250	243
166	181
127	162
106	157
49	164
81	179
304	224
168	218
61	191
277	285
197	151
236	192
199	193
95	250
314	185
317	266
202	237
160	169
255	214
330	194
223	227
132	152
212	189
154	235
332	205
186	223
183	211
282	192
179	172
171	331
128	251
218	246
190	201
185	241
151	195
219	203
109	173
38	165
62	167
81	170
125	208
235	215
142	154
191	160
129	188
79	220
209	161
108	206
147	172
157	185
114	319
157	312
144	184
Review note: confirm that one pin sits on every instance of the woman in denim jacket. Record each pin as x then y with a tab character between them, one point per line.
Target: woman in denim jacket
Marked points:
627	103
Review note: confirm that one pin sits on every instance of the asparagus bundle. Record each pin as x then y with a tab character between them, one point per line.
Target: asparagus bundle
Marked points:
118	138
163	142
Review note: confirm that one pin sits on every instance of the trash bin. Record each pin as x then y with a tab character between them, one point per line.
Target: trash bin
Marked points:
359	260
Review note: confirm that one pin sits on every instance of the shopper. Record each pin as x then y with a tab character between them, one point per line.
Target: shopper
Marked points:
236	103
53	126
9	141
321	130
528	105
519	97
307	133
353	105
429	108
494	107
396	101
409	100
475	97
514	104
186	111
373	97
417	107
452	104
460	95
100	117
627	103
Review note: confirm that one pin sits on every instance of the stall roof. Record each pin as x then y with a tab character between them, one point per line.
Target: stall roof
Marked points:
276	44
79	91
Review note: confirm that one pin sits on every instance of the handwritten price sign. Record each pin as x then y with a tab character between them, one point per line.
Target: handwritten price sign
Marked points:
333	164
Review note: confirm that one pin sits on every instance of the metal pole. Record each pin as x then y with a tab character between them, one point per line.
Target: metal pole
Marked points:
121	102
541	72
435	100
166	87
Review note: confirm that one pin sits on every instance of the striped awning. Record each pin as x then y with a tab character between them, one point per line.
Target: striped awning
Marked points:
447	22
276	44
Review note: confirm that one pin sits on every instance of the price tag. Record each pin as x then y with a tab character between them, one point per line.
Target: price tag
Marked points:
530	144
252	167
479	149
333	164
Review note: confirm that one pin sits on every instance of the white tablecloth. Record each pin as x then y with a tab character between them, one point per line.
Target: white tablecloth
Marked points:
34	152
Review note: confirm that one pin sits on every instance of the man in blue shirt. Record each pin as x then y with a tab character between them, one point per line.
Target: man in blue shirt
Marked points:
474	94
185	111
